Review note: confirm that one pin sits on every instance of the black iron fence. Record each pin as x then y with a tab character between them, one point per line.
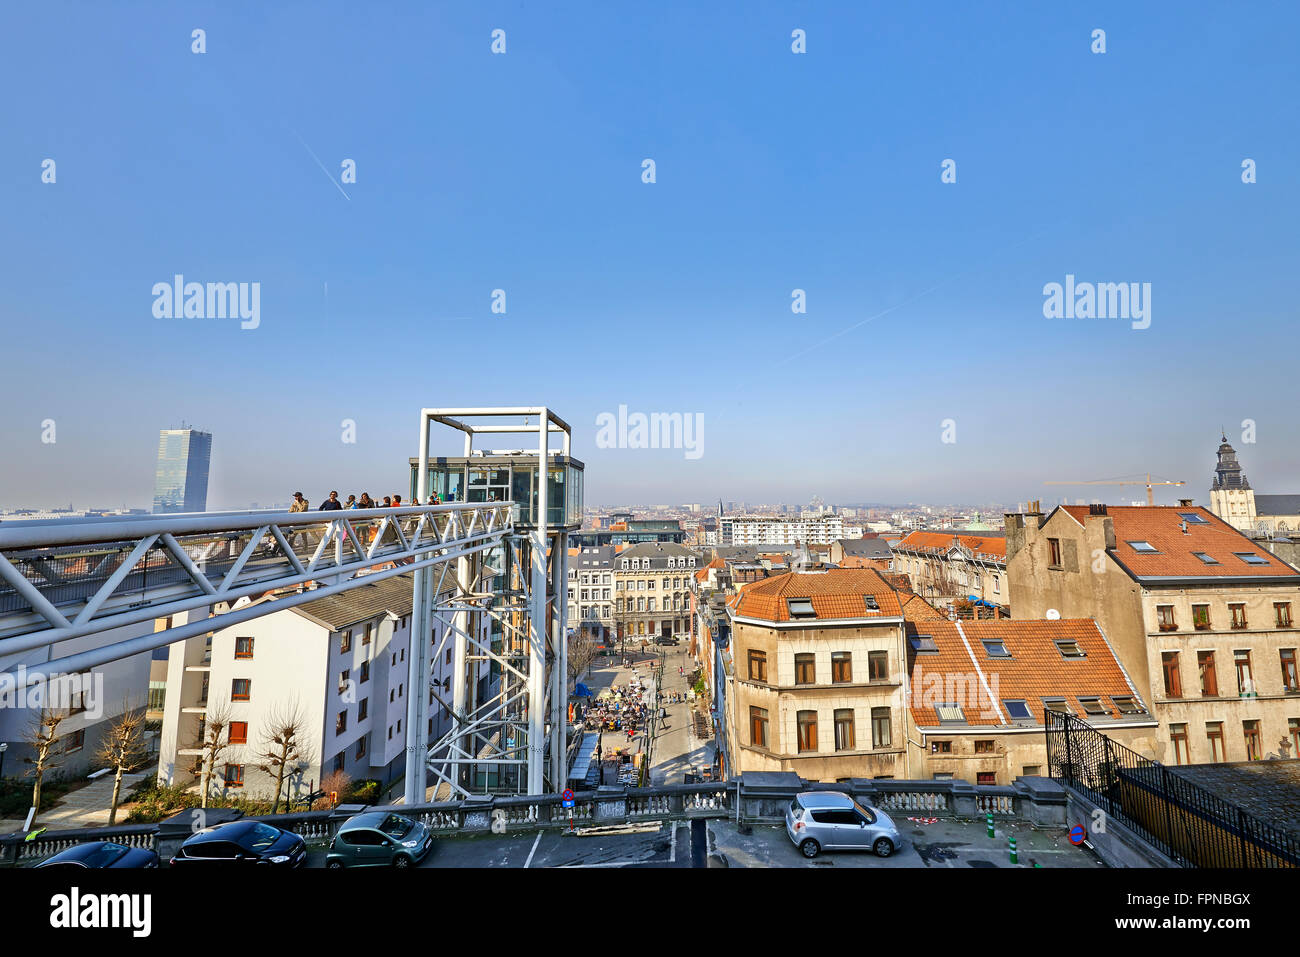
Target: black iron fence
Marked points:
1184	821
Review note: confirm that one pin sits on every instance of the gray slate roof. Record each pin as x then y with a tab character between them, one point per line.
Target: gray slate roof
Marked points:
866	547
360	604
1277	504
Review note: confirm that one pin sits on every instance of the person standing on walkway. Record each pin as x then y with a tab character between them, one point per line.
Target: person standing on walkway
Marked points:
331	504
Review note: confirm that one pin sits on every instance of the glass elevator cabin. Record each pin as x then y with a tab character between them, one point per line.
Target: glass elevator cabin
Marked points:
501	478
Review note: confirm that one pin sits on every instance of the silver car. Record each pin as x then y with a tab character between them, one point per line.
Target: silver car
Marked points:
833	821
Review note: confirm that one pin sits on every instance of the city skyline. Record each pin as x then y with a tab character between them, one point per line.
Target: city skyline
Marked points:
924	366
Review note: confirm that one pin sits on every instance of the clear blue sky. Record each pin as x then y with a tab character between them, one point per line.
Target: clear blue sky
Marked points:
775	171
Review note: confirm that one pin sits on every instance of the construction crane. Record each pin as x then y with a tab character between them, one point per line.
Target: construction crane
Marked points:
1148	483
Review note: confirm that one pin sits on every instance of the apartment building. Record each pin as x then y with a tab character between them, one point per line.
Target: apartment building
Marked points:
820	669
338	665
979	692
944	567
1202	619
591	590
652	589
861	553
776	530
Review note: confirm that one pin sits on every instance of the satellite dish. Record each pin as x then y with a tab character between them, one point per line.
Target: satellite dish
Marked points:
1053	614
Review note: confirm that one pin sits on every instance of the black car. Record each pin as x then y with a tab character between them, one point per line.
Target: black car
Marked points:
99	854
243	842
666	640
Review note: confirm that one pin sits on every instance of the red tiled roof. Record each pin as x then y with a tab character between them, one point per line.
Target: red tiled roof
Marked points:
834	593
1161	526
942	541
916	608
703	573
1035	670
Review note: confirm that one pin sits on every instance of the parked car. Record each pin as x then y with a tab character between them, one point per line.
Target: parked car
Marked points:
101	854
832	821
379	839
243	842
666	640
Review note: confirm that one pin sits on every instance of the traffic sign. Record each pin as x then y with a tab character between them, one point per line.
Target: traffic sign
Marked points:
567	797
1077	835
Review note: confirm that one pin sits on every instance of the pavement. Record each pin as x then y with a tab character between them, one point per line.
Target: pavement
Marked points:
676	748
85	807
947	842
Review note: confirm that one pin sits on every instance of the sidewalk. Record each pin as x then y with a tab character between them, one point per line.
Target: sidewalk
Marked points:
84	807
676	748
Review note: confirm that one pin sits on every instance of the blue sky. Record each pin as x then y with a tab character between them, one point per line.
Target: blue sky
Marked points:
775	171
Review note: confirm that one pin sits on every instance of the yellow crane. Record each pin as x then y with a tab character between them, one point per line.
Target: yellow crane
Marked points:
1148	483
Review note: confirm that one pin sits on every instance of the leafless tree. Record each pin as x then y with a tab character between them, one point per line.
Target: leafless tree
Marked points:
582	652
123	750
42	735
284	750
213	742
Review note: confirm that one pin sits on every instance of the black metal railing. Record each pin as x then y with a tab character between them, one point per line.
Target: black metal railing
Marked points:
1187	823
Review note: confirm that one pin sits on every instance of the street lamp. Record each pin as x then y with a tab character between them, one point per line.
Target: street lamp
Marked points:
3	748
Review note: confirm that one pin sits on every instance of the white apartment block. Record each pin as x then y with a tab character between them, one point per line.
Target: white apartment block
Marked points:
339	664
591	590
771	530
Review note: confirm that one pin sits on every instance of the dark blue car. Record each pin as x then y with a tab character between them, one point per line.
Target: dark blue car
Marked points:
243	842
100	854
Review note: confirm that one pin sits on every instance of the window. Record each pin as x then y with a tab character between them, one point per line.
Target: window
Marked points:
344	677
365	672
1031	770
1238	610
1128	705
1069	649
345	643
994	648
1241	658
949	712
1251	558
241	689
392	695
1201	617
1093	706
239	732
986	777
341	724
1193	518
1178	738
361	746
871	602
844	729
923	644
1017	710
363	709
1165	618
1293	726
877	666
1214	734
366	639
1209	681
805	669
1053	553
941	747
807	722
1173	682
243	647
338	761
1058	705
1145	548
447	656
393	663
1251	732
1290	683
1282	609
234	775
984	747
841	667
758	666
880	728
74	741
1206	559
800	608
758	727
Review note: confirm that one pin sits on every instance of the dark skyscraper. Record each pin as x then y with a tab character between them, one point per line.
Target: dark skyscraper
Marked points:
181	482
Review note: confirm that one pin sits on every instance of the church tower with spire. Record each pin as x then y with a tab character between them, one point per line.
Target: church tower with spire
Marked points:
1231	497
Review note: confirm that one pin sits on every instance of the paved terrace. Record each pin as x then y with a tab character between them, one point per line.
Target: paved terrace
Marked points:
730	824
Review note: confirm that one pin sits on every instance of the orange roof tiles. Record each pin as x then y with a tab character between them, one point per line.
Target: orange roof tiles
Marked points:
1161	526
1036	669
942	541
834	593
703	573
916	608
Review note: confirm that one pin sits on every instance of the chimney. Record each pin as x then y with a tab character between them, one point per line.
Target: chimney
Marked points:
1184	503
1096	509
